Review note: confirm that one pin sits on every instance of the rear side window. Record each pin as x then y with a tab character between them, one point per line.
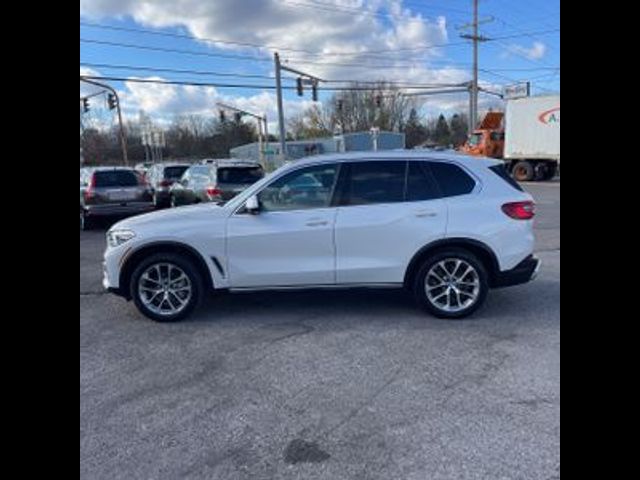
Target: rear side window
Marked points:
501	171
420	184
374	182
115	178
241	175
174	173
452	179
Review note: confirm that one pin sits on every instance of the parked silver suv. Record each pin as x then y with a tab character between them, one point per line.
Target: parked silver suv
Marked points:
112	191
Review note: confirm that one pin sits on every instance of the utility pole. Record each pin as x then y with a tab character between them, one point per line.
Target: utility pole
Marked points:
473	88
304	78
283	142
123	139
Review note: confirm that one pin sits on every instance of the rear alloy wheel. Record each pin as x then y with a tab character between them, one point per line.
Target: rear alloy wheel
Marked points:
523	172
166	287
451	284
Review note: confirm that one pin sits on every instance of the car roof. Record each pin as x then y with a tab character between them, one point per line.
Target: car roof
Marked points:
399	155
112	168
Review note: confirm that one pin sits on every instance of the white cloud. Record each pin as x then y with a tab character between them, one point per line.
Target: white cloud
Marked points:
277	23
535	52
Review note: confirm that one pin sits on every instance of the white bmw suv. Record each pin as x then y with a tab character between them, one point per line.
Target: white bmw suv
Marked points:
446	226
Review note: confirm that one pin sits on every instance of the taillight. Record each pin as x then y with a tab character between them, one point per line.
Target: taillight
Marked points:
214	192
90	192
520	210
166	183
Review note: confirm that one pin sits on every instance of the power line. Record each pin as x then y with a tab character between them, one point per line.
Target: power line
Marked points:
372	53
240	75
229	85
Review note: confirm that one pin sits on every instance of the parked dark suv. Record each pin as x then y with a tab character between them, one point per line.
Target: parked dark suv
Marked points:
216	182
161	177
112	191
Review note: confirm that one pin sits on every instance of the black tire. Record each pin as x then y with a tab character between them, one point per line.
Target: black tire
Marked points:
550	172
190	270
523	171
480	273
86	222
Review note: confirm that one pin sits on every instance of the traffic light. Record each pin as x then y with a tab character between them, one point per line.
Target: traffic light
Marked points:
238	117
85	105
340	104
299	86
112	101
378	101
223	117
314	91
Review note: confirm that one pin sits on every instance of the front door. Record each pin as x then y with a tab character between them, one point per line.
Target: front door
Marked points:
290	241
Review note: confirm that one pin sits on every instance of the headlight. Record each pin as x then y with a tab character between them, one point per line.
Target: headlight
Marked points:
118	237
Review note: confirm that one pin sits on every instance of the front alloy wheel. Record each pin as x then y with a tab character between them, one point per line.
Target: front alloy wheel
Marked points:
166	287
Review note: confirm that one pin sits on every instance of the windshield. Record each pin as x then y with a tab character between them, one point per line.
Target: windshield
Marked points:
241	175
116	178
475	139
174	173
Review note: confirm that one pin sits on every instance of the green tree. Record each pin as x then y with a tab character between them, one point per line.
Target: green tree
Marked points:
458	129
442	134
415	132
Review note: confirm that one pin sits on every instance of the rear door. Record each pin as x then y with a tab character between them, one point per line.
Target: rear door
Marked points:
388	210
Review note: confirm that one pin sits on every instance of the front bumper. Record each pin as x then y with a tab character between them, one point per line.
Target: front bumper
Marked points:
524	272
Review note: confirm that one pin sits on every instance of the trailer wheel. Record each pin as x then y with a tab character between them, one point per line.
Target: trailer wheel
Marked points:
551	171
523	171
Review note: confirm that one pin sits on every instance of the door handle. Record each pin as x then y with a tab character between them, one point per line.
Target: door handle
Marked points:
425	213
317	223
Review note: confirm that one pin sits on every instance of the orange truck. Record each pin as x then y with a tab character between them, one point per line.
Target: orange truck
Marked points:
527	138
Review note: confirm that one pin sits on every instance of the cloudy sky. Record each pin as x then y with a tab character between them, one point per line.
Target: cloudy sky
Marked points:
230	43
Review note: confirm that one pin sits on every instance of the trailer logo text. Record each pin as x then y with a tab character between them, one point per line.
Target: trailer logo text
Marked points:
550	117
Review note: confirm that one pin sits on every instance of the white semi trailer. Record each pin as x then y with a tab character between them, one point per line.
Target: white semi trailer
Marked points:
532	137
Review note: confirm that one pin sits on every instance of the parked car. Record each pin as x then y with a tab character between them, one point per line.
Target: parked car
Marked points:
218	182
161	177
112	191
448	227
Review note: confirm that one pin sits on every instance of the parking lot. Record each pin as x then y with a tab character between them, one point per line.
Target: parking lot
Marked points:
334	384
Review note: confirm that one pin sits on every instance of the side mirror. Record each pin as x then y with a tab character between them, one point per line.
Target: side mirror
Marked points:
252	205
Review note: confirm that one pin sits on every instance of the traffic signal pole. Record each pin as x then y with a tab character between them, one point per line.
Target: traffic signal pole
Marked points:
123	138
305	77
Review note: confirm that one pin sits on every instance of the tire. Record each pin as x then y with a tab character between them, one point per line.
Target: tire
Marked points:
86	222
523	171
474	289
150	294
551	171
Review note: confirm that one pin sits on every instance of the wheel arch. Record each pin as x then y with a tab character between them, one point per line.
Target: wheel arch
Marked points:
484	253
133	259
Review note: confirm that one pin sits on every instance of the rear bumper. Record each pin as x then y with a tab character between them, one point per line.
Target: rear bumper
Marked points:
524	272
118	209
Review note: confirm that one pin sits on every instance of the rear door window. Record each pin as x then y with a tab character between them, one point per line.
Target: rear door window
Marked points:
420	183
375	182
